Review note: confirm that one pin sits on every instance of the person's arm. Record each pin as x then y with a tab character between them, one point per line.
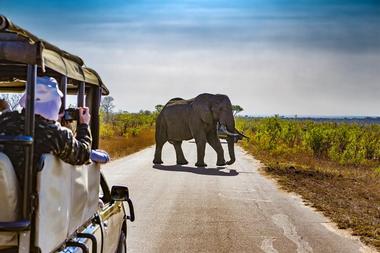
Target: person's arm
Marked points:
75	150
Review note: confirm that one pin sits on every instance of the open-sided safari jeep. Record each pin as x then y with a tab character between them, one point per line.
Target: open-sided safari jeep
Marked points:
61	207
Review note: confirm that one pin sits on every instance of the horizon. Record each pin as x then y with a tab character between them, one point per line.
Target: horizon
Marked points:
242	114
270	57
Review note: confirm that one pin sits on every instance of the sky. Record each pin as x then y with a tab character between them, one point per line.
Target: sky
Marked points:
287	57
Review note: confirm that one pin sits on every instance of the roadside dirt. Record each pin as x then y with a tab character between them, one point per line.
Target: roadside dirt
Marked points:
349	196
119	146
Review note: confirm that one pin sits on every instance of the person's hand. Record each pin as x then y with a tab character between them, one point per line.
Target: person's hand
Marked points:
84	115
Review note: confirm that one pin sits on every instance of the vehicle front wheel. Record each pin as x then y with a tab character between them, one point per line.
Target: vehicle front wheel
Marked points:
122	247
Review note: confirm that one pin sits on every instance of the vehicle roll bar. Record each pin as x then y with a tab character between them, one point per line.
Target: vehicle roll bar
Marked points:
63	88
15	226
23	226
94	97
81	93
3	23
16	140
29	131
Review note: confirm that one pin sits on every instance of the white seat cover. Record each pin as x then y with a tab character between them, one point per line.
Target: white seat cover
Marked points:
9	199
68	196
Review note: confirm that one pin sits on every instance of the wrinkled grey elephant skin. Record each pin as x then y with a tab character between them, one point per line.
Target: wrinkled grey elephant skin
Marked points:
196	118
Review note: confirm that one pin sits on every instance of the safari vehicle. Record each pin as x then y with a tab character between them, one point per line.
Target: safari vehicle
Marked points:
62	208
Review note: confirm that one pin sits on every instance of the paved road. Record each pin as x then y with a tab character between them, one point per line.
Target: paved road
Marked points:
232	209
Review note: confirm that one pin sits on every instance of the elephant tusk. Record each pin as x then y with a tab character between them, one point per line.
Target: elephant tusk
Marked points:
223	128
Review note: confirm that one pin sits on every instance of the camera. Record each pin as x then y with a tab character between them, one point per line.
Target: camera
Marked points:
71	114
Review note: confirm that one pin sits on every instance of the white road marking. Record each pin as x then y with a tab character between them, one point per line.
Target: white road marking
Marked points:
245	199
289	230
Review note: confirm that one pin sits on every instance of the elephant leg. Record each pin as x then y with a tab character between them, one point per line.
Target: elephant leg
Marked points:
181	160
214	142
161	138
158	153
201	146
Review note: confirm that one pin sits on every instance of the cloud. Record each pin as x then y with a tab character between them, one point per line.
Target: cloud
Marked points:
270	56
262	80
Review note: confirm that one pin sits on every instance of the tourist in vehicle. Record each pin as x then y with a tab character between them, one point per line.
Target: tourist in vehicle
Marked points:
50	136
97	155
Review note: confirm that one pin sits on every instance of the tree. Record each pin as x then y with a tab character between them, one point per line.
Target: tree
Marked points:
107	106
236	109
12	99
145	112
159	108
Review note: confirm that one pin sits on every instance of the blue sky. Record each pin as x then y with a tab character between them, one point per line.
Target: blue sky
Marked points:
304	57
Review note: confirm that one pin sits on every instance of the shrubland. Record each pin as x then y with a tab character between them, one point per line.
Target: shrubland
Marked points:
343	143
124	133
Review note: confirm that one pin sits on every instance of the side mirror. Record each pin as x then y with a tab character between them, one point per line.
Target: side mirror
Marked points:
120	193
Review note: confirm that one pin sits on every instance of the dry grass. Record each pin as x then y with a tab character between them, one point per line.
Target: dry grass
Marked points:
349	195
119	146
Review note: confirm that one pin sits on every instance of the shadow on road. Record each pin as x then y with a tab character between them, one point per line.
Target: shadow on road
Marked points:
202	171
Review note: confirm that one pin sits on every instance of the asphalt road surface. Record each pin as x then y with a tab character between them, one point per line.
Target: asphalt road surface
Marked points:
230	209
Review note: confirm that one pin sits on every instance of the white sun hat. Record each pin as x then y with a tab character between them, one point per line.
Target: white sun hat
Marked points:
47	98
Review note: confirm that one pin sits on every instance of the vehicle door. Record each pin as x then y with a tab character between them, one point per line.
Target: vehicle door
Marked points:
112	218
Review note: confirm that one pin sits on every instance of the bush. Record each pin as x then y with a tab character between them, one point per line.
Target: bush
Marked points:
124	133
126	124
318	140
106	130
345	143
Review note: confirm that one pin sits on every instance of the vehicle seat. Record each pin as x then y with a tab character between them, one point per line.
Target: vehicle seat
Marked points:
68	197
9	199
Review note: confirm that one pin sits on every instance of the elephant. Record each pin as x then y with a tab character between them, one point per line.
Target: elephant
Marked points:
198	118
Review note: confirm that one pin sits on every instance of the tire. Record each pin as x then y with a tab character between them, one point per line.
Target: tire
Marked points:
122	247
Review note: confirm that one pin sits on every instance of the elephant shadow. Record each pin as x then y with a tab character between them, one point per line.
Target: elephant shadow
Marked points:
197	170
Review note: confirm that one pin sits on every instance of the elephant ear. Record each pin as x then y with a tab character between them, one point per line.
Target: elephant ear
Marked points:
203	109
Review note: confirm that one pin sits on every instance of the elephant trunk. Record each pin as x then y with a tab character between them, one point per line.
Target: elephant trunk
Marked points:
229	129
241	136
227	123
231	149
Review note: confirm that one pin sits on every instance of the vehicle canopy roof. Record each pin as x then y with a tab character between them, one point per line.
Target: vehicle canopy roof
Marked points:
18	47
